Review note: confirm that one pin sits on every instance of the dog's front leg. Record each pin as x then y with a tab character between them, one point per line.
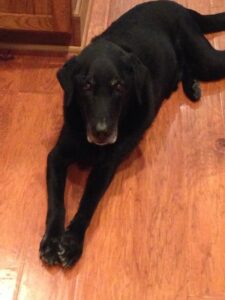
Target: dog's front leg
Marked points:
56	176
71	244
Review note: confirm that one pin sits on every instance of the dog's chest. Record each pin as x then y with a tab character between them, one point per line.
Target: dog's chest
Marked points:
88	155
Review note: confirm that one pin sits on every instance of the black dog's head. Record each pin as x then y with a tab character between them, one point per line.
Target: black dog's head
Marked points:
101	79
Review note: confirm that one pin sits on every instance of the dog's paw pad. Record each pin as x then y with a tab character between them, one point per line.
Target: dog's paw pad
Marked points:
49	250
69	250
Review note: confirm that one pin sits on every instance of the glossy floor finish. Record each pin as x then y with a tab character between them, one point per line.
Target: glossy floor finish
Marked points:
159	232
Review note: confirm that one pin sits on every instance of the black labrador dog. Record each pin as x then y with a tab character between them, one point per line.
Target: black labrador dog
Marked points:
113	91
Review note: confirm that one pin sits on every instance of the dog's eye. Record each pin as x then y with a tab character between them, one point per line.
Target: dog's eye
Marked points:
87	86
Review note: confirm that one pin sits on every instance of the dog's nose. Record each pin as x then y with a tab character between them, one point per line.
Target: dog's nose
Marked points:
101	131
101	127
102	134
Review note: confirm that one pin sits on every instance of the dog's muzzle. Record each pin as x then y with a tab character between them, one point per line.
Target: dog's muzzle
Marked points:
101	134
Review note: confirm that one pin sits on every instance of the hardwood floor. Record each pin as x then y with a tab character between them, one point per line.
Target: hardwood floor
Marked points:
158	233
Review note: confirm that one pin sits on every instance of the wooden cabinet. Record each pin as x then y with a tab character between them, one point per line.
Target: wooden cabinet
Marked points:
54	22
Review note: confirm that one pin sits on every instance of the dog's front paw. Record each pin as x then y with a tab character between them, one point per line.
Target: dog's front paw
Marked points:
49	248
70	249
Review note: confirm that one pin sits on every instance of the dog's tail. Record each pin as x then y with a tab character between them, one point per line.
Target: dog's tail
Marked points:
209	23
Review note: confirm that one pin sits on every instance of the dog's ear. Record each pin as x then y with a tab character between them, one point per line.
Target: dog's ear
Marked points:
141	77
65	77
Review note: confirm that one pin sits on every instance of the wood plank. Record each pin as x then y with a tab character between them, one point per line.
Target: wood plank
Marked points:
26	22
207	189
61	12
47	29
99	18
25	48
22	39
207	297
80	19
25	7
10	72
42	39
205	185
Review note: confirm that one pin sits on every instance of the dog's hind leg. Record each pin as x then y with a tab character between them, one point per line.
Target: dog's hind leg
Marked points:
191	86
206	63
209	23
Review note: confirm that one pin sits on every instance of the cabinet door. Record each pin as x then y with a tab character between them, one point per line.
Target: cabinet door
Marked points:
36	19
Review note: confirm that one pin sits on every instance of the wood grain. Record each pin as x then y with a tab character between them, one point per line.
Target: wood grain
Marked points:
59	20
158	233
99	18
26	22
26	7
61	12
207	298
63	25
